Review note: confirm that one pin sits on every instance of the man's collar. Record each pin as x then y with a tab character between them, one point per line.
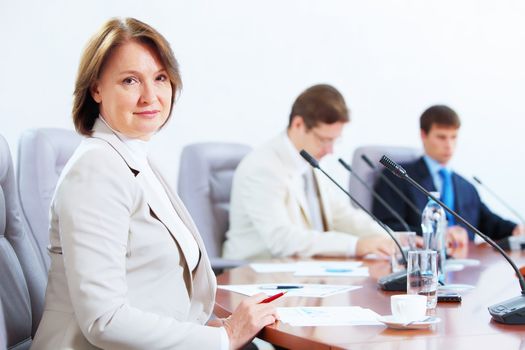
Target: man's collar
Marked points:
298	163
433	165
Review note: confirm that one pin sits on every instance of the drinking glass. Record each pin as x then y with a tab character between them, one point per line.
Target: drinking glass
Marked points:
422	278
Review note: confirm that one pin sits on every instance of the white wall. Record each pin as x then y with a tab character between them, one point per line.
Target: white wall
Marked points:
243	63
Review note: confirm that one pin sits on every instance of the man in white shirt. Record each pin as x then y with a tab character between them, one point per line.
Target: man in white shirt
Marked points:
281	207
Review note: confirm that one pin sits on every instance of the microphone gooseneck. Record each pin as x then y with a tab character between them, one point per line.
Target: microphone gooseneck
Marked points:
397	170
314	163
392	186
376	195
520	218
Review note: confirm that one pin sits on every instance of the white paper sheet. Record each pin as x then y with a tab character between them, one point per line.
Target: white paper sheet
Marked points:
306	290
357	272
332	270
271	267
328	316
304	265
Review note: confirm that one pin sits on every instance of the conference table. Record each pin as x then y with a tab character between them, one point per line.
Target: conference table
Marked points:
463	325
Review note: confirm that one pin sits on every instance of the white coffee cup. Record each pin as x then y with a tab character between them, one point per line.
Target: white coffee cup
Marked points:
408	307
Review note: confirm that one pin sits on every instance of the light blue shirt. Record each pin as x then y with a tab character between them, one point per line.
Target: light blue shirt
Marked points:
434	167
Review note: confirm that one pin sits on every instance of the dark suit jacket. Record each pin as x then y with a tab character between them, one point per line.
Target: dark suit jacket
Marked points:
467	202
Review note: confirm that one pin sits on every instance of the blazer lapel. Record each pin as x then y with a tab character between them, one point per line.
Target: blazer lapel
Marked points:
296	182
203	270
101	131
425	179
163	214
457	194
179	207
299	195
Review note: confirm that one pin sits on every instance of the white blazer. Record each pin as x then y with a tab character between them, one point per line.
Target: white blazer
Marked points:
269	215
118	277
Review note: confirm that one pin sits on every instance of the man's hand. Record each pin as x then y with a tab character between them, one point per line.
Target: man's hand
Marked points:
518	230
457	237
419	242
457	241
375	245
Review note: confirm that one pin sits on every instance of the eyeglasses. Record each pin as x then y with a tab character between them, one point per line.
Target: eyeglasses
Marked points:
323	140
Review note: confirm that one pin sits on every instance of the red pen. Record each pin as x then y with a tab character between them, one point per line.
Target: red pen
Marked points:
273	297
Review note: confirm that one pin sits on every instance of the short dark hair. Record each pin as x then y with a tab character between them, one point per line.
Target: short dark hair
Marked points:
320	104
113	34
440	115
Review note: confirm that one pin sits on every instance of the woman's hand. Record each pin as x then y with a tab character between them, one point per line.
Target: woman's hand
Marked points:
248	319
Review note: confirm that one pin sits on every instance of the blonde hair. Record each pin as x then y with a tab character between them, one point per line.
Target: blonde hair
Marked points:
114	33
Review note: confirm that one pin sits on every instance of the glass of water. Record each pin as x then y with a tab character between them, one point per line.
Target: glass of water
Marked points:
422	278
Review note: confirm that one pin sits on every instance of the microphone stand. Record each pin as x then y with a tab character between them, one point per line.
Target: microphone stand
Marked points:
396	281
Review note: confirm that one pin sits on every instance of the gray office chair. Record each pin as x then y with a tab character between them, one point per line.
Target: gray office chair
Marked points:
205	180
42	153
375	152
23	278
3	336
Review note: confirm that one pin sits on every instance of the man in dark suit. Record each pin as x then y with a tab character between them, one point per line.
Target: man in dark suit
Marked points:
439	130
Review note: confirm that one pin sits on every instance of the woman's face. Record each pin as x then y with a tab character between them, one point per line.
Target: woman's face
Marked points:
133	91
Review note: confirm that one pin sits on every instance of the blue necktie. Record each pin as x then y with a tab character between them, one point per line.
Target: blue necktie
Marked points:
447	193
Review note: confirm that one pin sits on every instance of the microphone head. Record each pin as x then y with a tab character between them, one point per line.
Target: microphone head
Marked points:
395	168
368	161
346	165
313	162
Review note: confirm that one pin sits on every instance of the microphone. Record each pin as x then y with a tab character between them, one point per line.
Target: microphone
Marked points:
500	200
396	281
392	186
510	311
376	195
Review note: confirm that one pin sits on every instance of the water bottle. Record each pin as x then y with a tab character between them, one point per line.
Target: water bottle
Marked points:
434	226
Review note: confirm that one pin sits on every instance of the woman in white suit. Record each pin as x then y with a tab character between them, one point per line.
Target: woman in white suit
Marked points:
128	267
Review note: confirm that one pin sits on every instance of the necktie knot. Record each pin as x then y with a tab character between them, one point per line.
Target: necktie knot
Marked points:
444	173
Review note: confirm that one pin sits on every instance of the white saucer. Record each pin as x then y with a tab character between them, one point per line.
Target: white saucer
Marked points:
394	323
464	262
454	267
456	287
